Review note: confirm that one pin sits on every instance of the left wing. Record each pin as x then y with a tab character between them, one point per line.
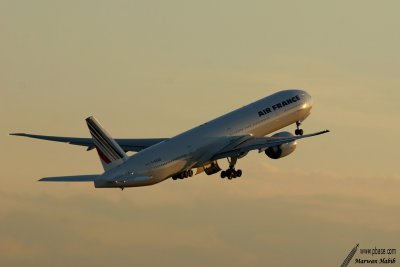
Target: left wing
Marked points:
133	145
260	143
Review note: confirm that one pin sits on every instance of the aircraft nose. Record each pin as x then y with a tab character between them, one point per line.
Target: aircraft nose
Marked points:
309	101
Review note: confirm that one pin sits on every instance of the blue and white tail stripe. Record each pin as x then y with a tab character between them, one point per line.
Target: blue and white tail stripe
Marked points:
108	150
101	141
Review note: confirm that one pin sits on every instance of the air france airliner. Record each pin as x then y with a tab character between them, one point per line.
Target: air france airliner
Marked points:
230	137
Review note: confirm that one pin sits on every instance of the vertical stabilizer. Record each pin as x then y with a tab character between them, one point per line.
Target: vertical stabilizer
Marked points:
110	153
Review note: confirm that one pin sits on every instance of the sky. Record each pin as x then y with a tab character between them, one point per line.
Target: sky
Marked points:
158	68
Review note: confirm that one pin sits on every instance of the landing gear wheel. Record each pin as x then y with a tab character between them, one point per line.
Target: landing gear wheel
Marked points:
298	131
231	173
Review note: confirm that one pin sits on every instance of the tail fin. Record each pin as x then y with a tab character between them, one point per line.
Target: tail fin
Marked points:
110	153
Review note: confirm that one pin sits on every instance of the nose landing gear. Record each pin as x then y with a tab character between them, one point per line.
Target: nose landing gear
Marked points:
298	131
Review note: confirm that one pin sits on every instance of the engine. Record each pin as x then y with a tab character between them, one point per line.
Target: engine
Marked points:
277	152
211	168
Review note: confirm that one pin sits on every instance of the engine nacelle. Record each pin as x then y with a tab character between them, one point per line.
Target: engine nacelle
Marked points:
277	152
211	168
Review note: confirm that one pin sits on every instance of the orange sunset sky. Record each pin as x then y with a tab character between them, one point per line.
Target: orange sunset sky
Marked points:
157	68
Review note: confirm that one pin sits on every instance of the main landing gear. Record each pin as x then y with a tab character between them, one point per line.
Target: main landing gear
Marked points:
231	173
298	131
183	175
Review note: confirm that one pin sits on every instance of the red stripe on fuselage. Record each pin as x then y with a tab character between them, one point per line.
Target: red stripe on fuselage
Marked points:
102	156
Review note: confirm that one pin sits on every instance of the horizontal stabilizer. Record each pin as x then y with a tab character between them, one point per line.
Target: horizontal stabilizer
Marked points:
122	181
76	178
131	179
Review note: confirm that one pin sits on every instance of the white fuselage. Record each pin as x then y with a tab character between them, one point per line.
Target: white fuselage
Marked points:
194	148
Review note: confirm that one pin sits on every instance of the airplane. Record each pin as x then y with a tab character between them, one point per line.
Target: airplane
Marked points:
230	137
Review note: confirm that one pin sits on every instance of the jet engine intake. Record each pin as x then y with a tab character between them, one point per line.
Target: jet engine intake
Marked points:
280	151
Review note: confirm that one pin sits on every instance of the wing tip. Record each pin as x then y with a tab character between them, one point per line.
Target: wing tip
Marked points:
321	132
18	134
